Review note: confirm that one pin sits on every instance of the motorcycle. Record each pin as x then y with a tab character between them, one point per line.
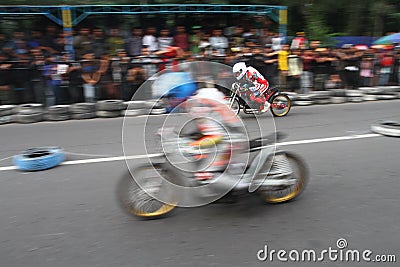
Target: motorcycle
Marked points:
239	100
277	176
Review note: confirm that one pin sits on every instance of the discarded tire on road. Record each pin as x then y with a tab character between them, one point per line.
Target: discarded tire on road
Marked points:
389	128
41	158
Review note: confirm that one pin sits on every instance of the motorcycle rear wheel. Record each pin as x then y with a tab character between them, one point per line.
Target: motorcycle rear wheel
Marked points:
280	105
135	198
288	193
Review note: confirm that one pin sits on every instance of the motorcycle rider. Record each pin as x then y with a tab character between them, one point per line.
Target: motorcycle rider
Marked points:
260	84
222	136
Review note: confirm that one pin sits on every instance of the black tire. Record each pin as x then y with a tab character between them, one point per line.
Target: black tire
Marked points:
234	105
58	117
58	109
110	105
108	114
280	105
289	193
32	108
84	116
28	118
388	128
6	110
37	159
7	119
136	201
82	108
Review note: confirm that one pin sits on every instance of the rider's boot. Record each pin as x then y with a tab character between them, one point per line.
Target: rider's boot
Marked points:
266	106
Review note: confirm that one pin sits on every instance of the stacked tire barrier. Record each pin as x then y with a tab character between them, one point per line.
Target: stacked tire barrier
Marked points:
7	114
31	113
339	96
109	108
82	111
58	113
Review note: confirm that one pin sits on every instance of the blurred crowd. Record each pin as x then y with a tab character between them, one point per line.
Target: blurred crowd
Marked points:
110	64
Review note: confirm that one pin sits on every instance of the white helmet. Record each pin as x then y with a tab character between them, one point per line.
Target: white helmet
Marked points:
239	70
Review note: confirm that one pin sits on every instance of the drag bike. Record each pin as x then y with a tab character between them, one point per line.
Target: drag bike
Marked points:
239	99
277	176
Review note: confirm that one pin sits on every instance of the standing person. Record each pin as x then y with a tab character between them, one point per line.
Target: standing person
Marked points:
37	84
195	39
164	40
90	77
295	69
134	44
271	66
283	66
386	68
237	41
322	68
352	60
136	77
307	79
99	42
277	41
219	43
181	38
83	42
150	40
299	42
366	70
115	42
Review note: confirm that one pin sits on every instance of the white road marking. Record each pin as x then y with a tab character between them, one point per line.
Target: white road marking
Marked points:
121	158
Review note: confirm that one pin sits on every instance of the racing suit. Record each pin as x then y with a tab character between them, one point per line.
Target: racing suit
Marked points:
260	85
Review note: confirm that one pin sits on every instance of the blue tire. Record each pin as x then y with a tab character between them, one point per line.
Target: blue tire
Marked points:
37	159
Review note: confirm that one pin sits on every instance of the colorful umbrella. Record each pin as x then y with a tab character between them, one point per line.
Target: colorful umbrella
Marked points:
389	39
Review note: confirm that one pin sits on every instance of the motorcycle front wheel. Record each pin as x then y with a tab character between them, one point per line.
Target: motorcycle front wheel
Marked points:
299	172
280	105
234	105
141	194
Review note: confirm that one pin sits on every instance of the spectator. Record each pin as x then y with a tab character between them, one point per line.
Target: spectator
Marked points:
99	42
277	41
134	44
299	42
252	38
36	78
334	82
219	43
307	79
322	68
90	76
36	40
351	61
136	77
164	40
50	43
237	40
5	93
271	66
107	86
18	45
283	66
115	42
149	39
195	39
83	43
181	38
366	70
295	69
386	68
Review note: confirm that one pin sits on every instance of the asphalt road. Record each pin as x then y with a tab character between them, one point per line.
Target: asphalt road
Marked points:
68	216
